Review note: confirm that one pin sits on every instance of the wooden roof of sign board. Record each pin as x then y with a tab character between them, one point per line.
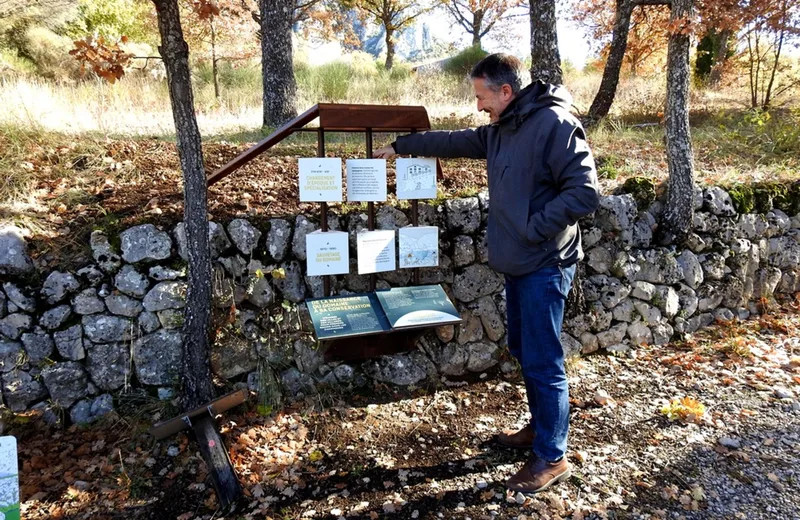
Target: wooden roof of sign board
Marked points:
335	117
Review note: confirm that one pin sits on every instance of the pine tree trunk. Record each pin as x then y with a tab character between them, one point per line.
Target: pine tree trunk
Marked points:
197	386
619	42
389	49
721	47
677	218
214	65
545	59
277	69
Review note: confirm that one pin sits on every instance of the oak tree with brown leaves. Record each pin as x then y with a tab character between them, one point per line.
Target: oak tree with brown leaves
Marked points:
394	16
478	17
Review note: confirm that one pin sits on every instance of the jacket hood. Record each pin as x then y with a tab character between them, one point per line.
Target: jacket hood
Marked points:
530	99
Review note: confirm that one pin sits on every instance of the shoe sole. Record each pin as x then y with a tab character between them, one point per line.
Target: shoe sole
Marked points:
560	478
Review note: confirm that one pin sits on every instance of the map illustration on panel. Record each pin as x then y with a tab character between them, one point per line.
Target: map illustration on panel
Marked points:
419	246
416	178
9	479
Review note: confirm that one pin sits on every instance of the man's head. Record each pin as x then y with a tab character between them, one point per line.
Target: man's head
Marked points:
497	79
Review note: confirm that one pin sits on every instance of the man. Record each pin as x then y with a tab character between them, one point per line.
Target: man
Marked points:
542	179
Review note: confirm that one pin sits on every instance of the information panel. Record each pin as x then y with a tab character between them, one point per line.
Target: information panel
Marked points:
376	251
346	316
366	180
416	178
426	305
327	252
419	246
320	179
9	479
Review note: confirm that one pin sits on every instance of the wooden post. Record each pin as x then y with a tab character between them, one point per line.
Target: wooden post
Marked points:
214	453
373	278
326	283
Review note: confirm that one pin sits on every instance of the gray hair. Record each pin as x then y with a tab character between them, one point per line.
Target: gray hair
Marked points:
499	69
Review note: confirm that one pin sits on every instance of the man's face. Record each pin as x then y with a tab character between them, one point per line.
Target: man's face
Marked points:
491	101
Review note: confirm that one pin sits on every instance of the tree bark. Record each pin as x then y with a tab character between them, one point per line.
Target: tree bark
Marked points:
677	218
214	65
277	69
477	23
720	56
197	386
619	42
545	59
389	49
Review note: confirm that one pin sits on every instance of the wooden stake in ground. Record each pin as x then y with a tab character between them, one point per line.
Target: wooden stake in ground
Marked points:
197	386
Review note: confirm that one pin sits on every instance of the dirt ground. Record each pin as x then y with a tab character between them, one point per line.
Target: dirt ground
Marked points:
705	428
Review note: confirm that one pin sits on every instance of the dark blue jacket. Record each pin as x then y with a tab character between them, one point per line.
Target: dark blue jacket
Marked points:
542	178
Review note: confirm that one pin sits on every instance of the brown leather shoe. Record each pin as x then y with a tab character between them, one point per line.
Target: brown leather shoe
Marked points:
522	439
538	475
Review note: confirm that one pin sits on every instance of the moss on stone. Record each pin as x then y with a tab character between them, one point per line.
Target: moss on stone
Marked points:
742	198
643	190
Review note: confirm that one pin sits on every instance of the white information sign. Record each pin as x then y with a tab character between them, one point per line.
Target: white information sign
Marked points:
9	478
416	178
419	246
320	179
327	253
376	251
366	180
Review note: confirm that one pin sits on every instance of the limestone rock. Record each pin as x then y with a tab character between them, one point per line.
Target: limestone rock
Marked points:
88	411
616	212
9	354
20	390
131	282
400	369
102	328
123	305
109	365
162	274
14	259
481	356
55	317
13	325
667	300
717	201
278	238
157	357
87	302
463	215
58	285
639	334
244	235
145	243
475	281
291	286
166	295
19	298
103	253
38	345
66	382
692	271
69	343
463	251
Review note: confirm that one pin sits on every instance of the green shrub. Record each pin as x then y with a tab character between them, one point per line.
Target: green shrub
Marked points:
742	198
642	189
325	83
49	51
245	76
462	63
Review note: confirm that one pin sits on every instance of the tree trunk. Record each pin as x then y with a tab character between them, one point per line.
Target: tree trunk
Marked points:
619	42
277	69
197	386
389	49
545	60
678	214
477	23
214	69
720	56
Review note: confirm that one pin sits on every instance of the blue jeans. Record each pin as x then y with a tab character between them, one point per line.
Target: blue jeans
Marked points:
535	304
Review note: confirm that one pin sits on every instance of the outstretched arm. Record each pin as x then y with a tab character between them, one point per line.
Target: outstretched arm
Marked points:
469	143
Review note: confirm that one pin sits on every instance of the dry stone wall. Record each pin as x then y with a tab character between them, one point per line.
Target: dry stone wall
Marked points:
71	340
